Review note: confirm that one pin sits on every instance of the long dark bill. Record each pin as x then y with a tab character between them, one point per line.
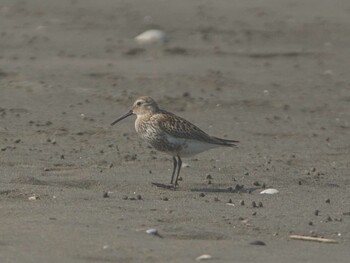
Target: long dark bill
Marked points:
123	117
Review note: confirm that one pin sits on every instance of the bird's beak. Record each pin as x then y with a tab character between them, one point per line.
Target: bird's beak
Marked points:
123	117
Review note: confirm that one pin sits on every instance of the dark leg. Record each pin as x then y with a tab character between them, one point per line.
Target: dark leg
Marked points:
172	176
179	164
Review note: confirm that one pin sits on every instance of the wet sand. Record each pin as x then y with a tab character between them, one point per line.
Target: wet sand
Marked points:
273	75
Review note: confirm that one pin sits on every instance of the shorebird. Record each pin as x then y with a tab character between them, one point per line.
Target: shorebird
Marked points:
171	134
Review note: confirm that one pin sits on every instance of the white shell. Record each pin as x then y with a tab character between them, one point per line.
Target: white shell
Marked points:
269	191
151	37
152	231
185	165
204	257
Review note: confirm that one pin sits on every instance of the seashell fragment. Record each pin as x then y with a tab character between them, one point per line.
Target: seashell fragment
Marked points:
152	231
151	37
269	191
204	257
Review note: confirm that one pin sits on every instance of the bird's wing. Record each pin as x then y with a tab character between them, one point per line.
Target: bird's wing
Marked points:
178	127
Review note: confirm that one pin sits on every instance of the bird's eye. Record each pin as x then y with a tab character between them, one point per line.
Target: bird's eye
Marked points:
138	103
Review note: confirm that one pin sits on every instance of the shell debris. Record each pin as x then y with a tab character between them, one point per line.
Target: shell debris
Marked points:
269	191
152	37
203	257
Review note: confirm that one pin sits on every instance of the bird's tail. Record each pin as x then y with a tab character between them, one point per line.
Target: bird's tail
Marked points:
226	142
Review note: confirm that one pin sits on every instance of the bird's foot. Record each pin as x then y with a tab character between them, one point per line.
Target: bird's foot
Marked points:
166	186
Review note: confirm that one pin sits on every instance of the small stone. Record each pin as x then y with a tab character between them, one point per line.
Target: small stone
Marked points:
105	195
328	201
260	204
329	219
139	197
241	202
125	197
185	94
209	177
299	183
317	212
254	204
165	199
257	243
201	194
17	141
254	214
310	223
256	183
230	201
216	199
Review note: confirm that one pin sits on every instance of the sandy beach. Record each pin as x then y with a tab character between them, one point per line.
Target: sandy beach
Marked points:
272	74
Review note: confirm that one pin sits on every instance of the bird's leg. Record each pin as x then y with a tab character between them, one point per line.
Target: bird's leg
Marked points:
179	164
172	176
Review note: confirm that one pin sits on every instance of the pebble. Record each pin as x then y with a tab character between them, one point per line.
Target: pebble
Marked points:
254	204
317	212
256	183
328	201
257	243
105	195
201	194
241	202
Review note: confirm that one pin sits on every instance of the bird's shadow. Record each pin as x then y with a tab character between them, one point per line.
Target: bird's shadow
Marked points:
236	190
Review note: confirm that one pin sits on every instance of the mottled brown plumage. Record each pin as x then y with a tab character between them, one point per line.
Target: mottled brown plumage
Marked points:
171	134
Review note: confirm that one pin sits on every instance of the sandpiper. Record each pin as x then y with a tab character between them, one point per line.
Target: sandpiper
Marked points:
171	134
